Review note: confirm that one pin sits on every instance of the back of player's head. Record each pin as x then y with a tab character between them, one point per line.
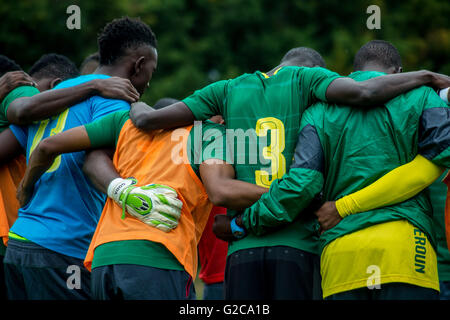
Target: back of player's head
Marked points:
303	57
54	66
89	64
378	52
8	65
122	34
164	102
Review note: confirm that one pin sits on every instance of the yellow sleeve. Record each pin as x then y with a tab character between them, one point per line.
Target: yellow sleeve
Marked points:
395	186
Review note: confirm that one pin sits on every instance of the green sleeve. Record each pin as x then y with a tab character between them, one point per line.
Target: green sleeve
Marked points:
207	140
288	196
209	101
314	83
105	131
19	92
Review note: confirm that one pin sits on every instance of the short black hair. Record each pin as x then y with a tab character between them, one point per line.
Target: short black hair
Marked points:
54	65
8	65
121	34
378	51
92	57
164	102
303	56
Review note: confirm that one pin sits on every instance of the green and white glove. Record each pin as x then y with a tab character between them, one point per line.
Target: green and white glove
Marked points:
155	204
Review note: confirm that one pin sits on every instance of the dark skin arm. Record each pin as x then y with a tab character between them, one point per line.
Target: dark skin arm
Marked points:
11	80
23	111
99	168
224	190
9	146
47	150
328	216
173	116
217	176
378	90
347	91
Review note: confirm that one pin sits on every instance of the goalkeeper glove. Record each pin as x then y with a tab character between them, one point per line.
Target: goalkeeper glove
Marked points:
154	204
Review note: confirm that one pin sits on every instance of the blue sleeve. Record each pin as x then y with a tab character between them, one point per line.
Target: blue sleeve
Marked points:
21	134
102	106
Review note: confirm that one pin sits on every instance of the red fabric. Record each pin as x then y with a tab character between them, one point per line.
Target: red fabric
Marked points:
212	252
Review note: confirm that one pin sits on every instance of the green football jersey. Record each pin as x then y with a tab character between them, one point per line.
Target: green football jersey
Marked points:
262	115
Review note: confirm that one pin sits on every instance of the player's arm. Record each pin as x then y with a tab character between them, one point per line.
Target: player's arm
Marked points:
224	190
41	159
11	80
99	168
25	110
381	89
201	105
146	118
9	146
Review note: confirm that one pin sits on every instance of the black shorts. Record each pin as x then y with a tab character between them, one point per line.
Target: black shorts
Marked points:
33	272
272	273
136	282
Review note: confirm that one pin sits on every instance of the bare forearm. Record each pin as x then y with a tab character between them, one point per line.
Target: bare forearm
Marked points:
99	168
237	195
381	89
25	110
146	118
39	162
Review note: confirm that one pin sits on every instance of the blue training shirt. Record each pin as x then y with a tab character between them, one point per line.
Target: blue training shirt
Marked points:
65	207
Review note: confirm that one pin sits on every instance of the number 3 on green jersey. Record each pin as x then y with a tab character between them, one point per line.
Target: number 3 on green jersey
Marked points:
273	152
57	129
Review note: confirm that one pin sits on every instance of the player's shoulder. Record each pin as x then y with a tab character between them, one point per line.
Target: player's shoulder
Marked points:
107	101
79	80
417	97
19	92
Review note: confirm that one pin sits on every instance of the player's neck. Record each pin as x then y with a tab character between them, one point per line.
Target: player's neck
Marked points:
112	71
374	67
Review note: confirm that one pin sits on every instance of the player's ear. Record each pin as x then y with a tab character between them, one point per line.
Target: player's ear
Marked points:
54	82
139	65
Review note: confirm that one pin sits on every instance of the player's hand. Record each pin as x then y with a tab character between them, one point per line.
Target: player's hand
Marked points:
439	81
154	204
11	80
23	194
328	216
117	88
222	227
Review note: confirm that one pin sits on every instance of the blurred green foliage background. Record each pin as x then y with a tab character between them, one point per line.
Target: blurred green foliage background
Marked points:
200	41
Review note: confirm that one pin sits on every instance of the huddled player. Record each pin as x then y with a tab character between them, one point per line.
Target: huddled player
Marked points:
316	181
